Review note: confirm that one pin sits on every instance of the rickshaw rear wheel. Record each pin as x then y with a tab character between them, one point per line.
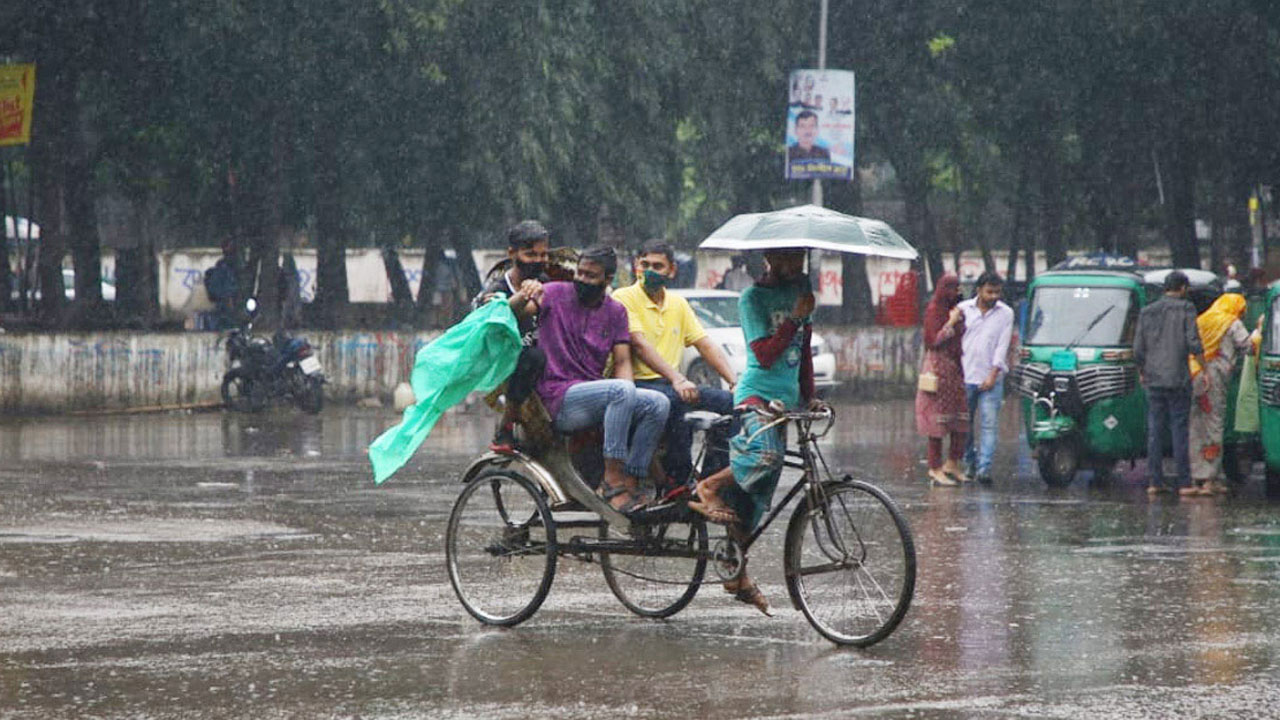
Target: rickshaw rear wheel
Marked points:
500	548
1058	461
657	586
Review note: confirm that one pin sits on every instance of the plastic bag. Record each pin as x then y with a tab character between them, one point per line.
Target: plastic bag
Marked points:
475	355
1247	398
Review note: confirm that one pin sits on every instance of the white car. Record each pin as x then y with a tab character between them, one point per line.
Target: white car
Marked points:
718	312
69	287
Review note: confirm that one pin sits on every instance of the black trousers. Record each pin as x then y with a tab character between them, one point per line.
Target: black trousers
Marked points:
525	377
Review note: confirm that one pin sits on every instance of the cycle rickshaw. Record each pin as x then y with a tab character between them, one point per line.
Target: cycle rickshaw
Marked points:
848	558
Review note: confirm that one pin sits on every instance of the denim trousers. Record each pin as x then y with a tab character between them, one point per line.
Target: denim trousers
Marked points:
1168	412
984	414
633	419
678	435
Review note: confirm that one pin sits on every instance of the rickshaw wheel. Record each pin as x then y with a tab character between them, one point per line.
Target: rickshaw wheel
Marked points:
656	586
850	564
500	548
1058	461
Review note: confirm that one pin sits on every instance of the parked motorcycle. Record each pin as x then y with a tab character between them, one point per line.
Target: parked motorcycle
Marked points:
262	369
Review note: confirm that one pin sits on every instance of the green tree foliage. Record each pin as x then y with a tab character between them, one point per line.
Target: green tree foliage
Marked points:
437	123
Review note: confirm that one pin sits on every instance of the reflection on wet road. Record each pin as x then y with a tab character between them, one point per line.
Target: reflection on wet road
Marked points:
216	565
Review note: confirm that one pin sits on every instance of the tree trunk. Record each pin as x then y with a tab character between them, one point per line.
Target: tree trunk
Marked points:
332	292
48	169
1179	207
1016	241
401	295
469	283
264	263
915	194
856	307
427	283
1051	202
6	272
82	221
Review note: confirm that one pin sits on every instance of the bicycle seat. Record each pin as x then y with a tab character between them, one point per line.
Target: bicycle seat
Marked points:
705	419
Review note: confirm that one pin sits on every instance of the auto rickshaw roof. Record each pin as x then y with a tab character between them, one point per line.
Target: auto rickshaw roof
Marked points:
1120	278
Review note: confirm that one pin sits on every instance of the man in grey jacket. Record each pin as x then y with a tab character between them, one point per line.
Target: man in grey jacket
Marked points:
1166	335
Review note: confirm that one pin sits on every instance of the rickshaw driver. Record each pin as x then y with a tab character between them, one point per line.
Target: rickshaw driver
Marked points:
777	327
662	326
581	328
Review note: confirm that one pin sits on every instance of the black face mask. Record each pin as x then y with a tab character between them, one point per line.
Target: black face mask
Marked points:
588	294
531	271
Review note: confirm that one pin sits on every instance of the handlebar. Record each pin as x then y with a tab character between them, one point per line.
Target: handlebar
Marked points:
776	411
777	414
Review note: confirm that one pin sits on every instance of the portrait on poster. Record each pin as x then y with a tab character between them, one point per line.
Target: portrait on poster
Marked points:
820	125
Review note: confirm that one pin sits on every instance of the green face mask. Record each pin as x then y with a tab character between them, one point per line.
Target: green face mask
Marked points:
654	280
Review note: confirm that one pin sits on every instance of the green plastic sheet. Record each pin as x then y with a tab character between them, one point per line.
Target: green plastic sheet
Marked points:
1247	400
475	355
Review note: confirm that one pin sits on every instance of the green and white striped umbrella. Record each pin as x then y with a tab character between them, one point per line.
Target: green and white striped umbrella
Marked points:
809	227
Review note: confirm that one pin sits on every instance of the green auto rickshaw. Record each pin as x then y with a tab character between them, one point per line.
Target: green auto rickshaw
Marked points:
1269	388
1082	404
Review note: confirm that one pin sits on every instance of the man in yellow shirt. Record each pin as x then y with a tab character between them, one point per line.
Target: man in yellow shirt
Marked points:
662	325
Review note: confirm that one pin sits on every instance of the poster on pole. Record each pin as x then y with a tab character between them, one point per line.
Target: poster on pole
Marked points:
17	93
820	112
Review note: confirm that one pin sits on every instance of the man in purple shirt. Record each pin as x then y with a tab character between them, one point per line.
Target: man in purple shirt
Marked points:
988	325
580	329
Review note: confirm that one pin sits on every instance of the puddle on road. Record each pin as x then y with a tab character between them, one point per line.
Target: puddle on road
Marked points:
146	531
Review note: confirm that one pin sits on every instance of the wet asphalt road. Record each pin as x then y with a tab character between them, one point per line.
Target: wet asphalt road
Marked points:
211	565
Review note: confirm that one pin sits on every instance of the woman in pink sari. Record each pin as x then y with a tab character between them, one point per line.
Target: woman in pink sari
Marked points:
943	410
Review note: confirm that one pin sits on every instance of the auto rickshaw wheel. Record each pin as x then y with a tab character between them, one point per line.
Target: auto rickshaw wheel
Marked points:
1058	461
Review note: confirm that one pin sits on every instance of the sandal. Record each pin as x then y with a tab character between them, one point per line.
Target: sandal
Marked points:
607	494
751	595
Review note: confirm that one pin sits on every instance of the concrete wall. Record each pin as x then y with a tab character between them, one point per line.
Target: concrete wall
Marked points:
117	371
67	372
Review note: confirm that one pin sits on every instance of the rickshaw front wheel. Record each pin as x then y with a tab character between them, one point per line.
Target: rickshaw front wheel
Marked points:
850	563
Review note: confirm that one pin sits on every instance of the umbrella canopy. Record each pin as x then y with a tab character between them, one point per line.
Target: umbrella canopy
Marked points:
811	227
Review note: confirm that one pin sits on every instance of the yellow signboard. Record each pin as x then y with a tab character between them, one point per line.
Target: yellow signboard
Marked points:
17	94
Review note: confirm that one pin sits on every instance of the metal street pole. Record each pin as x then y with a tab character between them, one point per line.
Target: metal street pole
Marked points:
822	65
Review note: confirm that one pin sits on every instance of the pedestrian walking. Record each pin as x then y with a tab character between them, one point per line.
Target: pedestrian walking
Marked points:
1165	336
988	327
942	409
1223	337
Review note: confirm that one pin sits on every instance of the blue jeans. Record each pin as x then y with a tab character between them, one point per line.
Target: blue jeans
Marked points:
1168	411
984	414
678	462
619	405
